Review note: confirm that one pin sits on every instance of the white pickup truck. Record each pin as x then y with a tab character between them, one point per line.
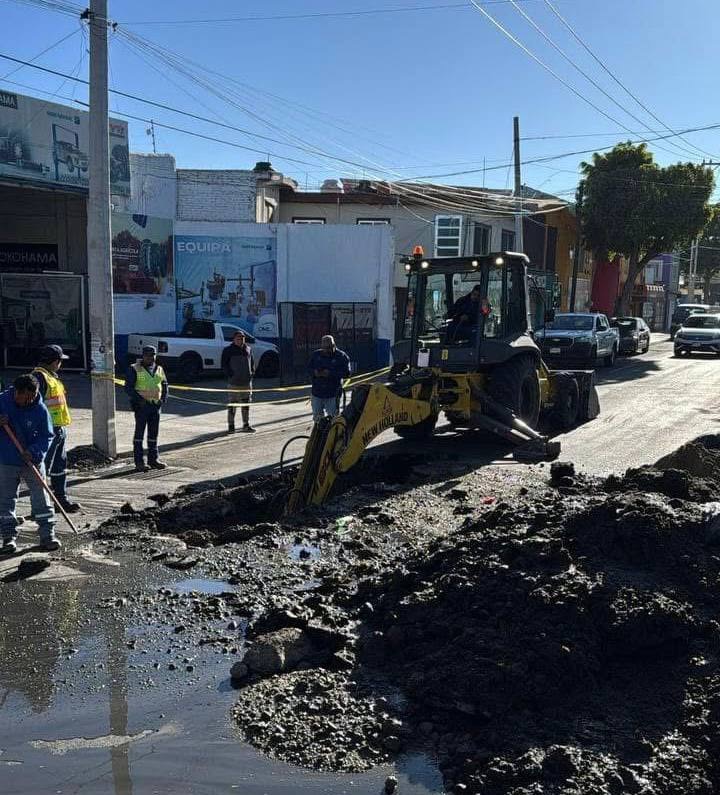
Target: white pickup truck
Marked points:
198	348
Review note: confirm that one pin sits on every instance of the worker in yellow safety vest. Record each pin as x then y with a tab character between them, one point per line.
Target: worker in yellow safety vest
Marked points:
52	391
147	388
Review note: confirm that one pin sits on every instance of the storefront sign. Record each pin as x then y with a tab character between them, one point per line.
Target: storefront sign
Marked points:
45	142
28	257
229	279
142	256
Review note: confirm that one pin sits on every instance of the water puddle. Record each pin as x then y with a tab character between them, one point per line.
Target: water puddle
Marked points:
201	586
115	702
304	552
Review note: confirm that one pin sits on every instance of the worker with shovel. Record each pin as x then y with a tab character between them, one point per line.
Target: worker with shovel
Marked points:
26	432
52	391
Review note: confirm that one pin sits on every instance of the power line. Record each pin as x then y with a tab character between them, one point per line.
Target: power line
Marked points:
319	14
42	52
542	63
610	73
589	78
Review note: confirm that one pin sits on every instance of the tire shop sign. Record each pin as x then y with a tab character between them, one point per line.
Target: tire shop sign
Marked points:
49	143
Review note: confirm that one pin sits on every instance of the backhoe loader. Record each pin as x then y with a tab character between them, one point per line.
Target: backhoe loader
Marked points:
467	350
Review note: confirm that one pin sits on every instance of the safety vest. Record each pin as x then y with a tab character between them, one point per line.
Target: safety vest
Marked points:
55	399
149	386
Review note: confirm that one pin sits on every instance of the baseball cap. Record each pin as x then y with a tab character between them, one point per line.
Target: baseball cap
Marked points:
52	353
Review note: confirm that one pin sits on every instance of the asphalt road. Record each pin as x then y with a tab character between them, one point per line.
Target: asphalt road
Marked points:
650	404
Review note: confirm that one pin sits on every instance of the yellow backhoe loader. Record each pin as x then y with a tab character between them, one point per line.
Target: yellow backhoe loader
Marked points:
467	350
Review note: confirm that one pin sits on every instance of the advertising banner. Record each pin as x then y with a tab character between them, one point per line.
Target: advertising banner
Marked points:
142	256
42	310
45	142
28	257
230	279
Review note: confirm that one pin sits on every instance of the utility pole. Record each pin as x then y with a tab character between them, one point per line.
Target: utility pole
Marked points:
519	241
692	270
100	284
151	132
578	243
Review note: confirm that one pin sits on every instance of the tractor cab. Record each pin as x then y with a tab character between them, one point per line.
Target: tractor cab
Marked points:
464	314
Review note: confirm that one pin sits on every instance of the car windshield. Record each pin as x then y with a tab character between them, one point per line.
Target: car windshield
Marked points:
626	326
572	323
683	312
702	321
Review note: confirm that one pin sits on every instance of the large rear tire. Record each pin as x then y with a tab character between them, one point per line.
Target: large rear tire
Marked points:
516	386
422	430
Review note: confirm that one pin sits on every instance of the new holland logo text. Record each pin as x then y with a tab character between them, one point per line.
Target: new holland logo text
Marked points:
387	421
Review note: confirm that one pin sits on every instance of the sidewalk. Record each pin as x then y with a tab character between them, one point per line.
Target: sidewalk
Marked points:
187	419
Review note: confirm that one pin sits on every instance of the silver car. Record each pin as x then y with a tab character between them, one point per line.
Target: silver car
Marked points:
698	334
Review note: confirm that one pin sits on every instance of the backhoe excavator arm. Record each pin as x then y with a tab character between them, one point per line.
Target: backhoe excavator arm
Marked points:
336	445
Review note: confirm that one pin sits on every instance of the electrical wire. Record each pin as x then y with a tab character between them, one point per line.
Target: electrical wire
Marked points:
610	73
318	15
590	79
42	52
545	66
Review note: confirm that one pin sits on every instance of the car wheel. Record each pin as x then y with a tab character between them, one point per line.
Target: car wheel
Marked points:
269	365
611	357
190	367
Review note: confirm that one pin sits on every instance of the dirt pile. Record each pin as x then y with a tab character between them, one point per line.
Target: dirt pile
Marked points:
86	457
553	649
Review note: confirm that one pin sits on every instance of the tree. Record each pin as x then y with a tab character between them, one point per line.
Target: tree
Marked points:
708	257
638	209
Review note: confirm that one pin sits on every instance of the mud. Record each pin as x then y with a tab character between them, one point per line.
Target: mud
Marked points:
534	630
86	458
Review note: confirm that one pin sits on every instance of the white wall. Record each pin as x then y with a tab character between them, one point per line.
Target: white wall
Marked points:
137	314
339	262
153	187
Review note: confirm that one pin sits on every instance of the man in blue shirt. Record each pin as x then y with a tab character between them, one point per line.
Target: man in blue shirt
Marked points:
328	366
23	411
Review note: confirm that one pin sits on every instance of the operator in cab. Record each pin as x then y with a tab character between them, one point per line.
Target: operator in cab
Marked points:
465	314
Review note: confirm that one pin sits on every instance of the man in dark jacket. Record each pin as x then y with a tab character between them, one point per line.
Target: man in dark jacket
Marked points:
238	364
23	411
327	366
464	315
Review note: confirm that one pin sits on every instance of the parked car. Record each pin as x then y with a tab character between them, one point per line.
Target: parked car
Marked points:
683	311
579	338
198	348
634	334
698	334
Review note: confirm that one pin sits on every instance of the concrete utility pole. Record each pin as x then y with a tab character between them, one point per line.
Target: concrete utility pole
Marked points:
692	270
98	240
578	244
519	241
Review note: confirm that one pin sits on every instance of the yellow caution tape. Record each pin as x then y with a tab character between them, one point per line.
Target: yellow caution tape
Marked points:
347	385
239	405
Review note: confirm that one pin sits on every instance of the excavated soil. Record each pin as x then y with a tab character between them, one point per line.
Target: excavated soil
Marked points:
533	634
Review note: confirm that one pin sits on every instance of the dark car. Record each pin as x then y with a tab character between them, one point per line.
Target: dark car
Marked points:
634	334
682	312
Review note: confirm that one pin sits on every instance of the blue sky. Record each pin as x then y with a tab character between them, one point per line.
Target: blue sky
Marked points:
407	94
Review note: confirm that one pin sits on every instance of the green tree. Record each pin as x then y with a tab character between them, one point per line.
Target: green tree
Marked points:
638	209
708	258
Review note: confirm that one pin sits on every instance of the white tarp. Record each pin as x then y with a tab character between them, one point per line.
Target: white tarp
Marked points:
45	142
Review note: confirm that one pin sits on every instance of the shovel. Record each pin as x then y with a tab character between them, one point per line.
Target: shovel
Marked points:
40	478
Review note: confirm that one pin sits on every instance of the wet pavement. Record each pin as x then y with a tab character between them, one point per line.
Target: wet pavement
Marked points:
99	700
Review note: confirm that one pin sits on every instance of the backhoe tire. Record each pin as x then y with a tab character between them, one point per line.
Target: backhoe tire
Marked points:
422	430
515	385
567	402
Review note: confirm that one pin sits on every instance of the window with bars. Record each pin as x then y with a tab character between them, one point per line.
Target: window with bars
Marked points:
372	221
448	235
308	220
507	240
482	238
